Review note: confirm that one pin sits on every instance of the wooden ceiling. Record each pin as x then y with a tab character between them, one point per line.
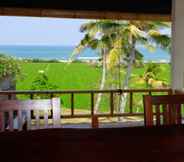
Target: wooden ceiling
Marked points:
116	9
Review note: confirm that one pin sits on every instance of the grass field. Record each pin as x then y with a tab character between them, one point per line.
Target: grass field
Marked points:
65	76
81	76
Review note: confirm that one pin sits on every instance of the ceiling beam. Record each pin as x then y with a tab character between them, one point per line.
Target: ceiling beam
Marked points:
88	14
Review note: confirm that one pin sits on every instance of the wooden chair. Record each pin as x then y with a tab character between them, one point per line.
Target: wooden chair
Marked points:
22	109
165	108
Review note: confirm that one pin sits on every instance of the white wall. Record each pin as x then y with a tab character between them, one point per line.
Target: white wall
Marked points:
178	44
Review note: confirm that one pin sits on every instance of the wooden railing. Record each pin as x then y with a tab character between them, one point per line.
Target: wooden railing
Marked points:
93	93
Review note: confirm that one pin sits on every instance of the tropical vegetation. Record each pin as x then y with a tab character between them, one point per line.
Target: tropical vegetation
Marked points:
9	66
82	76
117	43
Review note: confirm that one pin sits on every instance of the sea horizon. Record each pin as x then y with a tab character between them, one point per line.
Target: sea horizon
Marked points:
64	52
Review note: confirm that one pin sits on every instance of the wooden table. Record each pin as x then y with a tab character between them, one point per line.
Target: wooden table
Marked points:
94	145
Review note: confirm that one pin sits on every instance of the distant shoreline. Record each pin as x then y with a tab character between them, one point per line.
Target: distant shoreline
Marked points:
64	53
84	60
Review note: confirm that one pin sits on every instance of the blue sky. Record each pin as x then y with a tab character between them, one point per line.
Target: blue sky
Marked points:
40	31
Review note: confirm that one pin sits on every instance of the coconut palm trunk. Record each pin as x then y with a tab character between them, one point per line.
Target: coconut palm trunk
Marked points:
127	78
103	79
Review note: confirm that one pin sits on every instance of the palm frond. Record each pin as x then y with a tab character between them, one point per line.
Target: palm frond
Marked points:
161	40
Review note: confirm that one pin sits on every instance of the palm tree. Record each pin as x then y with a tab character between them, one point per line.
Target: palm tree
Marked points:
117	42
131	34
97	36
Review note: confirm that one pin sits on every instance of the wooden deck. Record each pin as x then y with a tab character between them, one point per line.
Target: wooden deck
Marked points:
125	122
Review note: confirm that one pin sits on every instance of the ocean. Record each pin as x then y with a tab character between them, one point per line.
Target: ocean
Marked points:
64	53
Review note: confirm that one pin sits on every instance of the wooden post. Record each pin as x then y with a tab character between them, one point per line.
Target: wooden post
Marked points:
94	118
112	103
131	102
92	103
94	121
72	104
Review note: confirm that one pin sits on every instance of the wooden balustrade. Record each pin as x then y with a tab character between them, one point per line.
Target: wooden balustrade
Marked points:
93	93
112	108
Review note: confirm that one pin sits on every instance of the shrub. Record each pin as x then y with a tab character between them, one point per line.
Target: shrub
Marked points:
41	82
9	66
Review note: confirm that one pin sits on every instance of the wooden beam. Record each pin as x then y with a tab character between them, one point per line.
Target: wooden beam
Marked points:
82	14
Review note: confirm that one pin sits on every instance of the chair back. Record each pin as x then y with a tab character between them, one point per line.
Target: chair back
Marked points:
18	112
165	109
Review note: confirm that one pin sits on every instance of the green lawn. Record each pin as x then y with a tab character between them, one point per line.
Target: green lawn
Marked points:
82	76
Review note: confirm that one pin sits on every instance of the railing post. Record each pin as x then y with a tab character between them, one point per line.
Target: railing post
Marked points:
94	119
31	96
92	103
72	104
131	102
111	103
150	93
51	95
120	94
